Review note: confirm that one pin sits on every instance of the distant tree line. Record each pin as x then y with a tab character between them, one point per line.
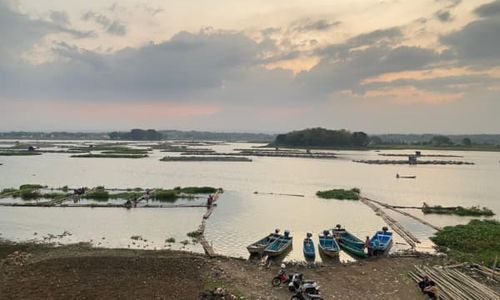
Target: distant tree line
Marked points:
137	135
321	137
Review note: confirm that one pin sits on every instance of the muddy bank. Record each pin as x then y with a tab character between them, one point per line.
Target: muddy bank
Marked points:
81	272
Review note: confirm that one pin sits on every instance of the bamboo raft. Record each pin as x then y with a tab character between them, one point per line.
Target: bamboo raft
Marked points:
395	208
453	284
395	225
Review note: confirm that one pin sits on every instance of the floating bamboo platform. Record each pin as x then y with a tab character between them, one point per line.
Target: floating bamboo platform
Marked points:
395	225
394	208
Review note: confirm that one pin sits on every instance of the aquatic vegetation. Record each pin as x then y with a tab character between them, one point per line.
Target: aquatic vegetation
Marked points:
165	195
114	155
459	210
478	241
340	194
194	234
31	186
98	193
196	190
207	158
18	153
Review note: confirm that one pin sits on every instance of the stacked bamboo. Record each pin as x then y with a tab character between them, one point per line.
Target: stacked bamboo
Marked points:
395	225
453	284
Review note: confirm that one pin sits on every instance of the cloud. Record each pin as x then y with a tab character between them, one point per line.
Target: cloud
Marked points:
59	17
307	25
477	42
450	3
117	28
113	27
443	16
488	10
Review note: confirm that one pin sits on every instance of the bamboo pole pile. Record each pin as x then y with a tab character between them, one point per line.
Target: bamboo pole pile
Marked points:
453	284
395	225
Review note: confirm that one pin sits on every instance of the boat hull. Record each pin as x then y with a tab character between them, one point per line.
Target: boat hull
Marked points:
279	246
328	246
308	248
258	247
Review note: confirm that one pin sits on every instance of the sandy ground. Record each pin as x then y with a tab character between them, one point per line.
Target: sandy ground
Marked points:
81	272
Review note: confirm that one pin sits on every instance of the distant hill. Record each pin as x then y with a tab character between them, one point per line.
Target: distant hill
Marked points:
139	135
490	139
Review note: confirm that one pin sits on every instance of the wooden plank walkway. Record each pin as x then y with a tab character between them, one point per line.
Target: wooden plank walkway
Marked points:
395	225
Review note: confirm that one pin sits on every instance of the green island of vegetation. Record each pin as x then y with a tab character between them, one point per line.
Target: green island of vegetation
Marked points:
30	192
321	138
109	155
18	153
458	210
99	193
340	194
477	242
207	158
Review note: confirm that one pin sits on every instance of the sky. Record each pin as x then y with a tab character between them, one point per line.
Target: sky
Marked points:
379	66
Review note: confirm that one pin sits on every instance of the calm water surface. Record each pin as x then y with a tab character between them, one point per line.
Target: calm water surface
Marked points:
242	216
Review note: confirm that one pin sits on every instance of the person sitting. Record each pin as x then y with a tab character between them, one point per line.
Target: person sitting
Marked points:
424	283
431	290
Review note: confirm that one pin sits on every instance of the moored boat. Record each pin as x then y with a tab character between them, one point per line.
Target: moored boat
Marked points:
349	242
280	245
258	247
328	245
309	251
380	242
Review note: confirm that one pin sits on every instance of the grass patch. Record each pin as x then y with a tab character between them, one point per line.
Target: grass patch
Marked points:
194	234
98	194
196	190
19	153
31	186
165	195
340	194
115	155
459	210
478	241
207	158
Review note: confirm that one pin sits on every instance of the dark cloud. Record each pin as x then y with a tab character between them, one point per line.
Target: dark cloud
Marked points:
306	25
489	10
18	32
359	64
117	28
113	27
443	16
477	42
59	17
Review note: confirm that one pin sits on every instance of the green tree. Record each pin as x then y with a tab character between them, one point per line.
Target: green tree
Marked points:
466	141
440	140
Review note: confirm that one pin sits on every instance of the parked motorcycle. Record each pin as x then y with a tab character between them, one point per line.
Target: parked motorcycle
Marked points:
302	294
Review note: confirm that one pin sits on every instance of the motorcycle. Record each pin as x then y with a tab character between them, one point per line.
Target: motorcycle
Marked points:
281	278
302	294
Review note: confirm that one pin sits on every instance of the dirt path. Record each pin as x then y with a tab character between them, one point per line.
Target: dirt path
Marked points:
80	272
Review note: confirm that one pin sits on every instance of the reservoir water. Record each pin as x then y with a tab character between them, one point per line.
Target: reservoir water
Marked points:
243	216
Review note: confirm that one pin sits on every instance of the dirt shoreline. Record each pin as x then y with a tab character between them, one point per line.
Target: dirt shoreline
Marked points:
31	271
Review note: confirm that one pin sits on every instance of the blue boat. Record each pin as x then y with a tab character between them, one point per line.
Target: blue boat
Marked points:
328	245
309	251
280	245
380	242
